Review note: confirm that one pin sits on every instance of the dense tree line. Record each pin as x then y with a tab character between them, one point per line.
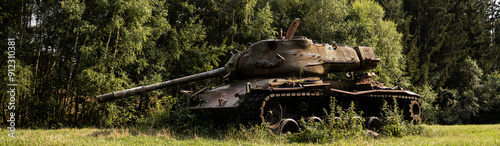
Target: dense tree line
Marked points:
451	50
69	51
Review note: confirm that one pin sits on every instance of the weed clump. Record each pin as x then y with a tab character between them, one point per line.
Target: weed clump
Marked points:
393	123
339	124
348	124
174	114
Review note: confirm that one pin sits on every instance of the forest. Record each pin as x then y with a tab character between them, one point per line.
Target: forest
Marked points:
69	51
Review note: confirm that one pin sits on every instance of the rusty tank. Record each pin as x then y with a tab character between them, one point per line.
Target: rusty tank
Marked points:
278	81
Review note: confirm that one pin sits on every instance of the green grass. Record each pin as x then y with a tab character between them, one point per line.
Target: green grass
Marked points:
433	135
449	135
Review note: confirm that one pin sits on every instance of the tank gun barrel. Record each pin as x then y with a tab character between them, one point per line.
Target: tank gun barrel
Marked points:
141	89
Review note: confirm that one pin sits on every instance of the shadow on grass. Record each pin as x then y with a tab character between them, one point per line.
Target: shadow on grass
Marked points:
233	132
133	131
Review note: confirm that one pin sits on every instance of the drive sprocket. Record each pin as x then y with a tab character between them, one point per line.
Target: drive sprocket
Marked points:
415	111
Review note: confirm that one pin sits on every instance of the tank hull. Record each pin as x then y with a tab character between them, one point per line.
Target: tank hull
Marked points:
250	99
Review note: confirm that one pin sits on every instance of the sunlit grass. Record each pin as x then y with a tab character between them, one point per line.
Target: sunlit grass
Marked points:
433	135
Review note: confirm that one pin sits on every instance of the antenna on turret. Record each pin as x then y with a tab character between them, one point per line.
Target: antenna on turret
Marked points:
280	31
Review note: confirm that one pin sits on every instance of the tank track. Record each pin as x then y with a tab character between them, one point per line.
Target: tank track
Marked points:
252	107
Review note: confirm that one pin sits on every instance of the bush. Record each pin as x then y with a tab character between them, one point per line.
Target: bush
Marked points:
393	123
429	110
173	113
120	114
339	124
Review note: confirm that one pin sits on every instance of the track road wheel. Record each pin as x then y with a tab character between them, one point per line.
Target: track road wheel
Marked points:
288	125
373	123
271	113
415	111
314	120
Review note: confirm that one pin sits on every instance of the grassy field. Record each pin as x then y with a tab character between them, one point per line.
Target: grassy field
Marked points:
433	135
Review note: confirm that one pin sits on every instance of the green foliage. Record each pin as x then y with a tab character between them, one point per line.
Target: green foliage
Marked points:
69	51
446	45
347	124
340	124
371	30
489	92
470	75
323	21
119	115
429	110
393	123
474	105
489	99
460	104
170	113
249	133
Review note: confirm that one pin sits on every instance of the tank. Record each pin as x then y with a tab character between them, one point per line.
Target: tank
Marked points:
278	81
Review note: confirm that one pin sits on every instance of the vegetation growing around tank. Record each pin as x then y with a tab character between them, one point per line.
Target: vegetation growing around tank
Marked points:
348	124
339	123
